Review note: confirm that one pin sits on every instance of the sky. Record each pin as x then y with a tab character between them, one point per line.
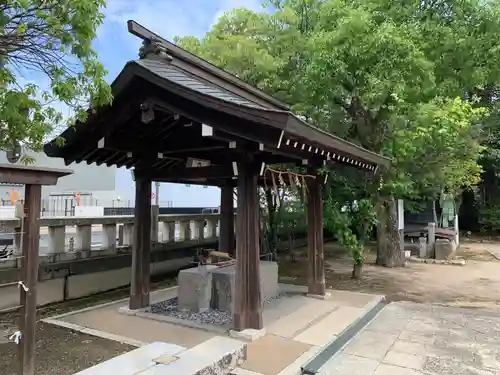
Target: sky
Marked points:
167	18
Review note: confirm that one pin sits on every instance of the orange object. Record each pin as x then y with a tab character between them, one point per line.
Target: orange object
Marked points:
14	196
77	197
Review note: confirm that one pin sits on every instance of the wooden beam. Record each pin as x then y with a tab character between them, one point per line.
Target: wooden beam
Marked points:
177	144
183	173
258	124
218	120
25	174
29	278
284	154
315	250
247	306
141	248
98	125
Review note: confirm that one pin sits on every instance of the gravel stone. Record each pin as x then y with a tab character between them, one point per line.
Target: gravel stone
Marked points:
170	308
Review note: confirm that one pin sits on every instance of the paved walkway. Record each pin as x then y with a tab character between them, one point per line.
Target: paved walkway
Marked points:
297	327
413	339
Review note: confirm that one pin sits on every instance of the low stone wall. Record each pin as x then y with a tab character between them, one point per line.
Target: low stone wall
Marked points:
68	276
82	270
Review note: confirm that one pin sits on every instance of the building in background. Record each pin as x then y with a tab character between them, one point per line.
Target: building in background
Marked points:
91	185
109	187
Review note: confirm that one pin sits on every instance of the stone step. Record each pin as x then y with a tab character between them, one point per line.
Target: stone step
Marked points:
134	361
218	355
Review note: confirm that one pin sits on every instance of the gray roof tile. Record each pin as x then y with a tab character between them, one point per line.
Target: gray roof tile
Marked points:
180	77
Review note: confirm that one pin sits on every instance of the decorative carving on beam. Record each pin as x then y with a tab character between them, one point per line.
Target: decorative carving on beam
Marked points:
147	112
197	163
154	48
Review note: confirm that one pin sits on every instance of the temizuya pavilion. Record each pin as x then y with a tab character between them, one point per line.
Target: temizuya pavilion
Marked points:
170	108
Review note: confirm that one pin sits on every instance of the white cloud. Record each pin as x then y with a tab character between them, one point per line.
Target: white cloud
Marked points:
163	17
169	18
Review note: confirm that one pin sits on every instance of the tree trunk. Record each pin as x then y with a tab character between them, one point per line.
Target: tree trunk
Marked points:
356	271
389	253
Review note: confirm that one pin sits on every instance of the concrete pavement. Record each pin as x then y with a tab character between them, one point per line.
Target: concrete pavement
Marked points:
414	339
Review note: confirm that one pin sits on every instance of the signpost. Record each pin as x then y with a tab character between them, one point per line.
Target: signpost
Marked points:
401	228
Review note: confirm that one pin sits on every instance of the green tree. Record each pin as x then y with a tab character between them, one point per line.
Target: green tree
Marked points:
399	78
47	41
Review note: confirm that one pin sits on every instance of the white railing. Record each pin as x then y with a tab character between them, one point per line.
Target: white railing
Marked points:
69	234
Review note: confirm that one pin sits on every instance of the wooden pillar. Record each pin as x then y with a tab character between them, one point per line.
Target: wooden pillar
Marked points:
29	277
226	230
315	251
141	247
247	306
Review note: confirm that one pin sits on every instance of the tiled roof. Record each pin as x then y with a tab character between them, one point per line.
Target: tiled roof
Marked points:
180	77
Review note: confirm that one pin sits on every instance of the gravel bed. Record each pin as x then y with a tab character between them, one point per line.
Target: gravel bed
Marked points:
170	308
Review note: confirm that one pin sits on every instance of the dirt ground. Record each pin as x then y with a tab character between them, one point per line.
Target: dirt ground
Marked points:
475	285
60	351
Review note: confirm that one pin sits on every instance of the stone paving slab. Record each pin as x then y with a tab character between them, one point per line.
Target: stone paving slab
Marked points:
299	320
329	327
270	354
413	339
109	320
134	361
297	328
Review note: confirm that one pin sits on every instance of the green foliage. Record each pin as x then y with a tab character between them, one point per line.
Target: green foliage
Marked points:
489	218
47	40
350	223
443	135
370	71
406	79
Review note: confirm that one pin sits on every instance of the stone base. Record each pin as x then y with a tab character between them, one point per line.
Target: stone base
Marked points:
214	287
326	296
444	249
195	288
248	334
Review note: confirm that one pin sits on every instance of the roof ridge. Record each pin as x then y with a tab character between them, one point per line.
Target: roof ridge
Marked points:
205	81
186	56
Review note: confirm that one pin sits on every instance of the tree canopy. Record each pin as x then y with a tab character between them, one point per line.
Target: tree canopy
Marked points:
47	41
406	79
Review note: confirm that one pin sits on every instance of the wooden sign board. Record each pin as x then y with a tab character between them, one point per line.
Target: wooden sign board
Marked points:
401	215
197	163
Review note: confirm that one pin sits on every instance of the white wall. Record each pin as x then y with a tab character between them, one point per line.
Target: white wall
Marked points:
192	196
